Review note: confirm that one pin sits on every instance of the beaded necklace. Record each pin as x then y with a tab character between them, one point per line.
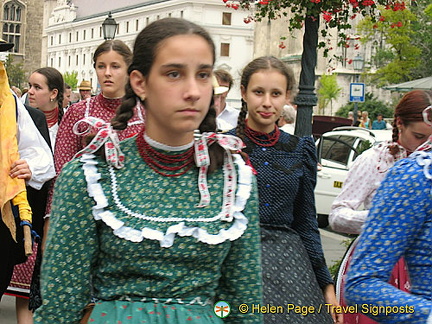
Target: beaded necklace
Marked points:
51	116
160	162
263	139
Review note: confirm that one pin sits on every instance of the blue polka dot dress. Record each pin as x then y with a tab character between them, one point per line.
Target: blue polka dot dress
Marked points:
294	268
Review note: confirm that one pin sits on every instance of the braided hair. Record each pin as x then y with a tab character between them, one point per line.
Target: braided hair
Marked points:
259	64
409	110
145	51
54	80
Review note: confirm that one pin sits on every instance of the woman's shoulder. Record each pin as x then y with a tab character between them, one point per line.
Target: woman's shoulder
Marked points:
418	163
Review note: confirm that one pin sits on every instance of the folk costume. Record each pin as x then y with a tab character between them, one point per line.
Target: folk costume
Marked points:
20	139
161	240
69	142
399	224
294	268
346	216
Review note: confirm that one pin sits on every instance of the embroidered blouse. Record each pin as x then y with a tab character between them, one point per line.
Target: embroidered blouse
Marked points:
399	224
140	235
363	179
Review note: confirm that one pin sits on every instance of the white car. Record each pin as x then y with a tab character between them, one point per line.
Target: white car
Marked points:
337	151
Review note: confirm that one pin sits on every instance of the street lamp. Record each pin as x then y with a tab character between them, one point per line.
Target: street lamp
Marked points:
358	63
109	27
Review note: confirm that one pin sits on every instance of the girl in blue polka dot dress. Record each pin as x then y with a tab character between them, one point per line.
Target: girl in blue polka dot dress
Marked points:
294	268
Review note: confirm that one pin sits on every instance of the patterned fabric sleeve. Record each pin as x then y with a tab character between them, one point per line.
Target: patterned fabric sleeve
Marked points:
68	143
305	223
70	248
398	224
357	188
241	271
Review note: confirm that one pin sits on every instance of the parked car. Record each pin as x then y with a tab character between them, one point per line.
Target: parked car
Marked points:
337	150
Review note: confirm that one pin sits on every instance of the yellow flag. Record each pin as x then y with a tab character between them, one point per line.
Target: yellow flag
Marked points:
10	189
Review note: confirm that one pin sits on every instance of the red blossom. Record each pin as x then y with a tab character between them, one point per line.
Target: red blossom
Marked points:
235	6
382	18
327	16
349	61
282	45
399	24
375	26
354	3
315	1
368	3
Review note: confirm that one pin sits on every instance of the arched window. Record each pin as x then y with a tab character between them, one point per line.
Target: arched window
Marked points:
12	15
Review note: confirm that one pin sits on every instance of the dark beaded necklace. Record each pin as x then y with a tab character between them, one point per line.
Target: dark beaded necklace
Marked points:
161	162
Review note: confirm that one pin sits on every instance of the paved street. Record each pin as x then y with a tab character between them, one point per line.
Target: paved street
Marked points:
333	251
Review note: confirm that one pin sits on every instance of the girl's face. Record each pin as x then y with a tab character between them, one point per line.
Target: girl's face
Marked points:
266	94
178	89
413	135
111	71
39	94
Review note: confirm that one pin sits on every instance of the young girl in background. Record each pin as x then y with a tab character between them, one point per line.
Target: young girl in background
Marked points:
399	224
294	268
169	225
350	208
46	94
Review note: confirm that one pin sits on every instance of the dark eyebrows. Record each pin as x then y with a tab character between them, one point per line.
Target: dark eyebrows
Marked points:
182	66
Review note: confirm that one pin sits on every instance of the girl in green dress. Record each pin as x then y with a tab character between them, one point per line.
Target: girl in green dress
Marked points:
165	225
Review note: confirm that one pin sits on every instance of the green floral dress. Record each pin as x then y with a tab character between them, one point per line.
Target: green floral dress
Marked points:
137	242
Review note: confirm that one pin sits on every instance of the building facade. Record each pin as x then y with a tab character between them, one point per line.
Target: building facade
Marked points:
22	24
272	37
74	30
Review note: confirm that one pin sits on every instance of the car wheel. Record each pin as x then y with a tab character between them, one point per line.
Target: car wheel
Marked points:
322	221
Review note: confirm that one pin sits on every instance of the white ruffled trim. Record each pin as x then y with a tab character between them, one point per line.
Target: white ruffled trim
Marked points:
424	159
244	186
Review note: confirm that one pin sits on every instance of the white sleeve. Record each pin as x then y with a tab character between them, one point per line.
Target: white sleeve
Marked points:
358	189
34	149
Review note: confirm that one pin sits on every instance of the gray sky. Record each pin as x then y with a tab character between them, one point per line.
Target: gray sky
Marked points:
91	7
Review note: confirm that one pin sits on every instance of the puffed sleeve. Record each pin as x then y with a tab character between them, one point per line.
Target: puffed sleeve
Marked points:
241	271
70	250
359	188
398	225
305	222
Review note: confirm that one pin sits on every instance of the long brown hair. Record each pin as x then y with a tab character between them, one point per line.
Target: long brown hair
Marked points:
260	64
145	50
54	81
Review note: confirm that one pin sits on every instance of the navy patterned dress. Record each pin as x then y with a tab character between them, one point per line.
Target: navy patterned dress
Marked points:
399	224
294	268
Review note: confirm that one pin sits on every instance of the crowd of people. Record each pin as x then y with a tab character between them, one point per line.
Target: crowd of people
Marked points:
155	199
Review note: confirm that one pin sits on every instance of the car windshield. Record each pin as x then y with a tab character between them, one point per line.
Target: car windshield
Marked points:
337	148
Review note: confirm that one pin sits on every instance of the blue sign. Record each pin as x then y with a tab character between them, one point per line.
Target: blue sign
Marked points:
357	92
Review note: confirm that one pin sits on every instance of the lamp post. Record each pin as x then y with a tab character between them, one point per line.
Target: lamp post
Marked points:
306	99
109	27
358	63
